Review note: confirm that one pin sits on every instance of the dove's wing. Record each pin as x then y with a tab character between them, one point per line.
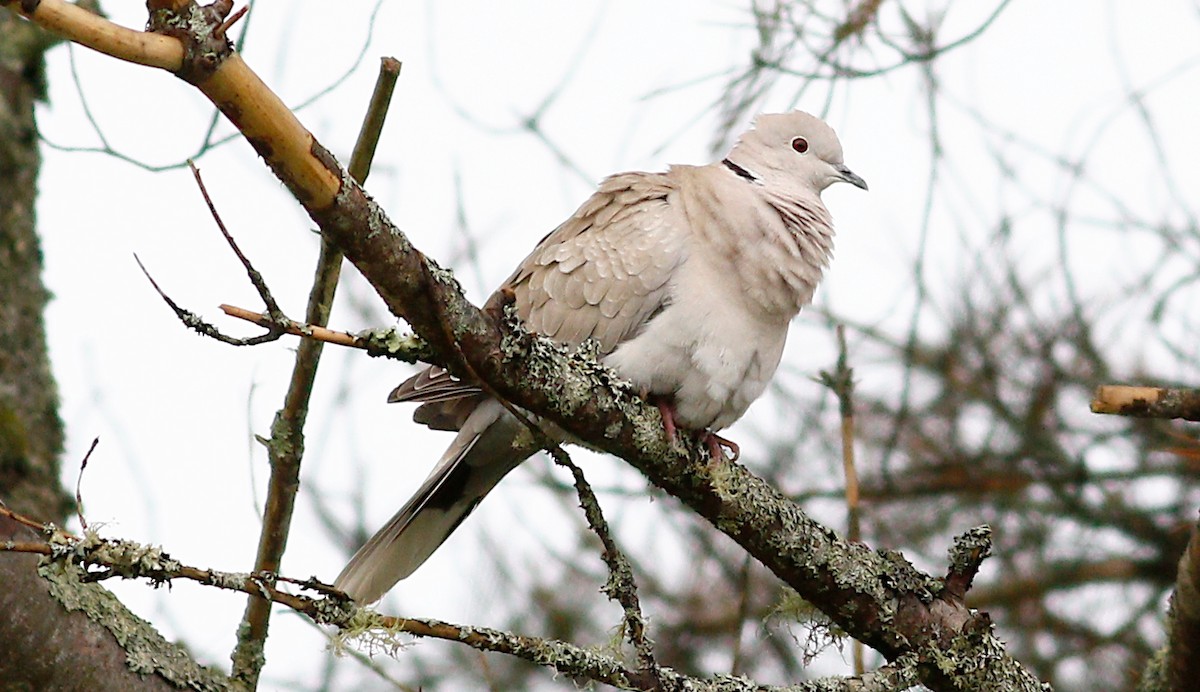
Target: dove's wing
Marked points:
603	274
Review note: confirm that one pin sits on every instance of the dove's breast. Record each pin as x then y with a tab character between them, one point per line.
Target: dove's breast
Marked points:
704	349
751	259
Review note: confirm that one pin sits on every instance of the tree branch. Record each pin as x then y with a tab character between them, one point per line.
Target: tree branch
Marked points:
74	562
1147	402
46	624
1183	637
286	446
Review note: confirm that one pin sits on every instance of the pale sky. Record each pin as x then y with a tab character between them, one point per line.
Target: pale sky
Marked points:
636	86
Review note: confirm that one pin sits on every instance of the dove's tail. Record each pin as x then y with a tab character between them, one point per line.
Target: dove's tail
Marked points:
485	450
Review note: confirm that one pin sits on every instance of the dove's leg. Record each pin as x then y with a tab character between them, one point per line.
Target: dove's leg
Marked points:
716	443
667	410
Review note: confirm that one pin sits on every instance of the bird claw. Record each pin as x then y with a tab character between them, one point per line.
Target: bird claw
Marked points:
717	445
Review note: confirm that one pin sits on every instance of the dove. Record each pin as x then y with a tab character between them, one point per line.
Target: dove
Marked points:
687	280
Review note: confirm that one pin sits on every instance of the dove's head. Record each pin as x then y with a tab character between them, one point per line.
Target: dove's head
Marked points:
793	150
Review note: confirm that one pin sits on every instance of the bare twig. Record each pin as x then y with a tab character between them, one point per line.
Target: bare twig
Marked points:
193	321
30	523
322	334
387	343
255	277
79	483
276	326
232	19
373	120
286	446
1147	402
841	382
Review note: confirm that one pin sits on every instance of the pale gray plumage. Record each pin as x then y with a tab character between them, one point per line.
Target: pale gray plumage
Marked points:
687	279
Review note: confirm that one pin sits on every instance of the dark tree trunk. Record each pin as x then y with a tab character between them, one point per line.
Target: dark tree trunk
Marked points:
31	434
42	645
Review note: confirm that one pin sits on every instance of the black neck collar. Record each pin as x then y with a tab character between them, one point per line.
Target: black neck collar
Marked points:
742	172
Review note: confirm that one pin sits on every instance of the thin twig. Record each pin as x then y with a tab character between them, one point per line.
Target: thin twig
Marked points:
193	321
279	323
372	126
38	526
383	342
841	382
79	484
256	278
231	20
621	585
310	331
286	446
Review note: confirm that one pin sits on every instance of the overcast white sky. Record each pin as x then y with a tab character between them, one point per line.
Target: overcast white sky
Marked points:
636	85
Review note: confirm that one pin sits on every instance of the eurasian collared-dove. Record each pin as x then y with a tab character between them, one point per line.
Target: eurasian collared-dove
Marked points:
687	279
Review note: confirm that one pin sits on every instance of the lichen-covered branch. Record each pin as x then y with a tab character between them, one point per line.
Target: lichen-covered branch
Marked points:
50	621
71	563
1177	665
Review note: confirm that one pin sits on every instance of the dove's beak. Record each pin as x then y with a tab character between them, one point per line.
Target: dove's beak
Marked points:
847	175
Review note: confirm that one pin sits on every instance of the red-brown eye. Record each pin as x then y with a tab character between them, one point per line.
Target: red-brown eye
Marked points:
800	144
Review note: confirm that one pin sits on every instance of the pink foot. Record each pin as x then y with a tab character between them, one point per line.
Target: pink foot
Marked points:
668	415
715	444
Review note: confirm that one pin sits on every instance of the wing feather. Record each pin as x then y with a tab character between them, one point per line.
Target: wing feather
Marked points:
606	269
602	275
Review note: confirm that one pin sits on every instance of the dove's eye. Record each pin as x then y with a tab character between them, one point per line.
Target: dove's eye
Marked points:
800	144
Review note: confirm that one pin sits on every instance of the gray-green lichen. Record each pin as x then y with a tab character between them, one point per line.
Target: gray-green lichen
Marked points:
126	558
977	660
1156	675
369	631
393	343
147	652
235	581
579	375
970	549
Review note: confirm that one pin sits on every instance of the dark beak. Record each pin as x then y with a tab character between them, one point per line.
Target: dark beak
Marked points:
849	176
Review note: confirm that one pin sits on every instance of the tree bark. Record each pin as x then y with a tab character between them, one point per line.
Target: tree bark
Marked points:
31	434
56	634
